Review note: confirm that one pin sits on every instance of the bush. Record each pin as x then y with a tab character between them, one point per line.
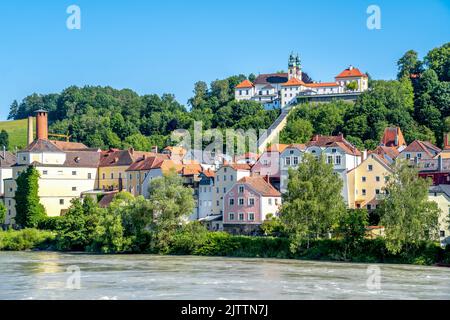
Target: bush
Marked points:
25	239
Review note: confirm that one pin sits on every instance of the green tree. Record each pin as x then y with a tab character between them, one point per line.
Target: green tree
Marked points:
438	59
297	131
406	213
351	86
409	64
2	213
138	141
352	228
4	139
29	211
313	203
170	200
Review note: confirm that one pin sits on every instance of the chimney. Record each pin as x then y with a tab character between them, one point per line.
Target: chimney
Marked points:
446	145
41	124
155	149
30	132
440	164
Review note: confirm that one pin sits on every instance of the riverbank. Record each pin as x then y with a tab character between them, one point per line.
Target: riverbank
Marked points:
225	245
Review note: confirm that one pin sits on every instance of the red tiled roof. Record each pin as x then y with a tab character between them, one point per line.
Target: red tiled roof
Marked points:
422	146
293	82
237	166
209	173
145	163
322	84
245	84
106	200
329	141
260	185
351	72
116	157
67	146
42	145
391	152
278	147
393	137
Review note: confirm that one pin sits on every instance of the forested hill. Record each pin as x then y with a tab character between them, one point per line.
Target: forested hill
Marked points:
418	101
105	117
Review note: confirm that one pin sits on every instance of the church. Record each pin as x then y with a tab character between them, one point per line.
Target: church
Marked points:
278	90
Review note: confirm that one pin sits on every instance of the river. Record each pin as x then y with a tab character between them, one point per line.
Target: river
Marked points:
48	275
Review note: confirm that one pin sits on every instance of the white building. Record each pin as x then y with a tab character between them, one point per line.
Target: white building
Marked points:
277	90
7	160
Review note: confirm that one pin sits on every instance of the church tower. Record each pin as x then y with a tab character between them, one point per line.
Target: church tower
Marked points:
294	67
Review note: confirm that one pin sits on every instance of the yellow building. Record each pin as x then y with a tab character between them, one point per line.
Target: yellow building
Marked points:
113	166
441	195
64	175
366	182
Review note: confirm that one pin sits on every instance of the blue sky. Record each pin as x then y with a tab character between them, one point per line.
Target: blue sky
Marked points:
166	46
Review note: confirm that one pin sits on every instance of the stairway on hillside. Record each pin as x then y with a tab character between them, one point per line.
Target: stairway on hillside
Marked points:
275	128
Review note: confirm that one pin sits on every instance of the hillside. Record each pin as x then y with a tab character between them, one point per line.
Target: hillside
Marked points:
17	131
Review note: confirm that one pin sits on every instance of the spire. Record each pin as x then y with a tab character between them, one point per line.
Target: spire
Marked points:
297	60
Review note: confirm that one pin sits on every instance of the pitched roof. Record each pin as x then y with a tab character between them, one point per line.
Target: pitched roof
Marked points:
293	82
145	163
209	173
85	159
351	72
67	146
42	145
422	146
7	160
393	137
260	185
321	84
268	78
106	200
383	151
298	146
245	84
190	169
116	157
237	166
277	147
330	141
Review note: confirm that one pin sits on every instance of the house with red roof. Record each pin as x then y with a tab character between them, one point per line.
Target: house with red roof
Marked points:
419	150
393	137
248	203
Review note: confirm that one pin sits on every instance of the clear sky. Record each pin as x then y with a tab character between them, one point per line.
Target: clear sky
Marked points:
166	46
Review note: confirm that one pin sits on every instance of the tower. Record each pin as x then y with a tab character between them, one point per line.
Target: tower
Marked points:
41	124
294	67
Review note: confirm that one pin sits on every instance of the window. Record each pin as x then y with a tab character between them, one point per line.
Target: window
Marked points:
270	201
241	201
61	201
217	190
377	191
241	216
231	177
333	150
364	179
419	156
120	175
442	233
369	207
408	156
9	202
218	178
112	175
224	169
217	203
74	188
369	167
338	159
231	201
291	151
251	202
131	176
251	216
24	158
276	201
89	175
241	189
330	159
288	161
295	161
45	172
377	179
224	178
224	190
74	173
103	176
231	216
363	192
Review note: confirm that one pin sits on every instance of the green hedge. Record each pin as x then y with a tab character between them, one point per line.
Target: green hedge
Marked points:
25	239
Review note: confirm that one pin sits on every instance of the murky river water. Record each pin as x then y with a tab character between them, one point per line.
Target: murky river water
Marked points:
44	275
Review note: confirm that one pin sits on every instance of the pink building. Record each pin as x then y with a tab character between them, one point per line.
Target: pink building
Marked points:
268	164
247	204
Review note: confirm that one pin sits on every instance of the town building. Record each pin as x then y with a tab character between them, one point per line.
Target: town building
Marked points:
419	150
64	174
7	160
393	138
279	90
290	158
366	182
441	195
206	193
248	203
268	164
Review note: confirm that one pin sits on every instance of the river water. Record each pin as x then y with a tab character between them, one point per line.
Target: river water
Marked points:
47	275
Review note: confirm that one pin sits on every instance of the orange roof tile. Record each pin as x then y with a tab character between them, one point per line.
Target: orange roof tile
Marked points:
293	82
260	185
351	72
322	84
278	147
245	84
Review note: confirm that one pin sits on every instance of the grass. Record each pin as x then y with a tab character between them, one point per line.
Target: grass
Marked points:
17	131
